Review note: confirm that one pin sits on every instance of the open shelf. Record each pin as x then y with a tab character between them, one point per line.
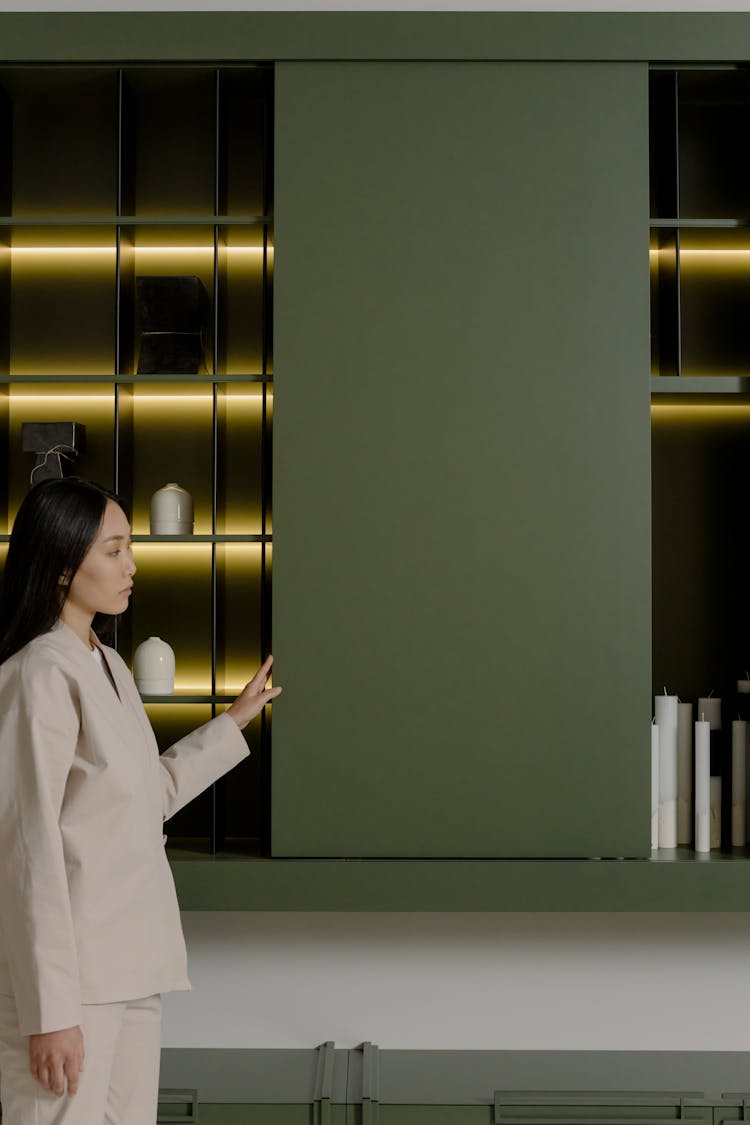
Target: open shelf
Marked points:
111	176
700	394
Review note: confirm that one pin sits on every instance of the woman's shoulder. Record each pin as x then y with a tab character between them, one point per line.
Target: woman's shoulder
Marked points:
39	654
39	679
47	656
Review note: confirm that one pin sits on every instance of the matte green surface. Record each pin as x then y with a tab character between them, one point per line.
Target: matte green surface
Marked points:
230	36
461	481
672	882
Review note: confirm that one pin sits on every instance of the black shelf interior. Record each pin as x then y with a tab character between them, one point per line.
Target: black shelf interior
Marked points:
109	174
700	357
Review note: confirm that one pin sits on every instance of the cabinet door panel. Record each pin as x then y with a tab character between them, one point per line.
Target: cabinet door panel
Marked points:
461	460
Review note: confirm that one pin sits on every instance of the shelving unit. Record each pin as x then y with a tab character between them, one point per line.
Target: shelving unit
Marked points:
239	875
109	174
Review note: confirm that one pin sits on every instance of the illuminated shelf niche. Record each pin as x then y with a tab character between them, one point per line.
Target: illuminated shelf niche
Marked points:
115	173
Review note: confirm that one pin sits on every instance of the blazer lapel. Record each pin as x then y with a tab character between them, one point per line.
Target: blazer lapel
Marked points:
109	699
128	693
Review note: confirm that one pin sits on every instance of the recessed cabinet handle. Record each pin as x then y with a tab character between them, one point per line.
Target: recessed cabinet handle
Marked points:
177	1105
501	1119
554	1108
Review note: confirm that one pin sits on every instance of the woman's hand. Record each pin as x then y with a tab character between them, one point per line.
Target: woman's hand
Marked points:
55	1056
253	697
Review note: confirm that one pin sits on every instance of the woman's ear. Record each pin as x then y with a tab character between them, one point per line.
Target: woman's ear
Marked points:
64	579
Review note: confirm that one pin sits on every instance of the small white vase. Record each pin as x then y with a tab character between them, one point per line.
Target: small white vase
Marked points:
171	511
153	667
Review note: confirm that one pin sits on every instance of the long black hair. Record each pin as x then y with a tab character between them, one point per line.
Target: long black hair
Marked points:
56	524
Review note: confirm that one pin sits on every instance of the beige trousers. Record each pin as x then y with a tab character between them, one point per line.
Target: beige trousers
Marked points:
119	1083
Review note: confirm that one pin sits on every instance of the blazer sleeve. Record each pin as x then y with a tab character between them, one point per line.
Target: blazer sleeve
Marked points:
39	725
199	759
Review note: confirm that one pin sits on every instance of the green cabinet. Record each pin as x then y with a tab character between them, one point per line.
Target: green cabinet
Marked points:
461	480
366	1085
462	588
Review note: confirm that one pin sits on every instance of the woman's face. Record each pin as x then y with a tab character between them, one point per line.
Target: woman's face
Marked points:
104	580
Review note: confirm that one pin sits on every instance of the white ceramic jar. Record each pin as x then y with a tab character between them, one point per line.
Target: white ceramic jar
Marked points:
153	667
171	511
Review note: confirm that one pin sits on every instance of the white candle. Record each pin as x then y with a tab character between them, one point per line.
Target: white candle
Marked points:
702	786
739	772
684	773
654	786
709	708
715	812
666	721
743	687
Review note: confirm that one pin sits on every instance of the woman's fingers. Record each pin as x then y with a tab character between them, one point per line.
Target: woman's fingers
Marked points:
250	703
260	677
71	1072
55	1058
58	1077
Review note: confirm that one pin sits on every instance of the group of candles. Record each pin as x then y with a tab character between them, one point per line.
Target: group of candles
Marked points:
689	762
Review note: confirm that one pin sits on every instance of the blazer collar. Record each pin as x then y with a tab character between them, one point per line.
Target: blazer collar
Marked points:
82	654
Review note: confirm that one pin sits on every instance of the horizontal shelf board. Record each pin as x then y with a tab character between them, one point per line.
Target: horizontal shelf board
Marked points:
189	697
5	538
697	224
134	220
136	379
700	386
201	538
674	881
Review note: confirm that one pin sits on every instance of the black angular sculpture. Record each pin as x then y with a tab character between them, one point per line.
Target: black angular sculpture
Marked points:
172	322
56	445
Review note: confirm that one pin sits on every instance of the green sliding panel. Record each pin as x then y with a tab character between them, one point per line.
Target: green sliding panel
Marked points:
461	460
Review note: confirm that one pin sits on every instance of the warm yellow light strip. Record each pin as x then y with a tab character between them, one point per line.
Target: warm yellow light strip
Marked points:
201	689
59	398
203	548
712	410
696	252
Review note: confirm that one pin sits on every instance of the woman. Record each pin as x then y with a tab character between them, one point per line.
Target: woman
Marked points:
90	932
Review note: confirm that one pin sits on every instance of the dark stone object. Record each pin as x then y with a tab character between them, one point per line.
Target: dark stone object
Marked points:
56	445
170	353
172	312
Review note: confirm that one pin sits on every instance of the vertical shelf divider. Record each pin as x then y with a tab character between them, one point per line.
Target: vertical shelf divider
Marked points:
6	234
665	204
4	455
123	359
217	819
266	640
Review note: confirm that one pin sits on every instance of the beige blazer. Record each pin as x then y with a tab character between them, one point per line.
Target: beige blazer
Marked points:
88	909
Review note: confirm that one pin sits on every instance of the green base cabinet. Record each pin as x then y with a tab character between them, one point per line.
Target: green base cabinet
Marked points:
370	1086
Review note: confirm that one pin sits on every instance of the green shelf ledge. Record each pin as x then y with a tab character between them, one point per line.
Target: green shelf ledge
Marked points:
703	389
671	881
